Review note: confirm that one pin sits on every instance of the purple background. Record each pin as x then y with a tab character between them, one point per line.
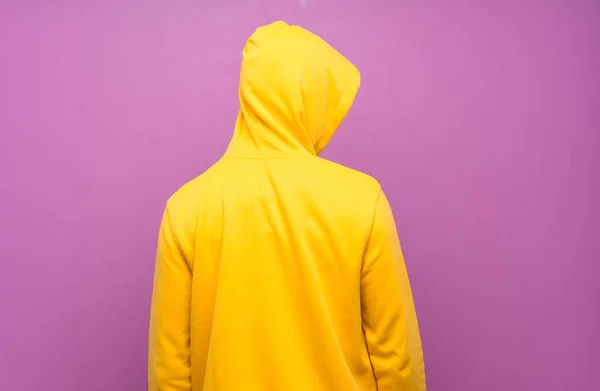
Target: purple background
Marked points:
480	118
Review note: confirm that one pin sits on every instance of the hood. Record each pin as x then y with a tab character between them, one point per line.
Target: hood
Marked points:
294	92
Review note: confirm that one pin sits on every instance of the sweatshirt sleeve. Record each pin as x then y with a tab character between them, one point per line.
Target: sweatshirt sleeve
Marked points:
389	318
169	345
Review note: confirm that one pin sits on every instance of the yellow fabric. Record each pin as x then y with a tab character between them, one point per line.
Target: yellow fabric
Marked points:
277	270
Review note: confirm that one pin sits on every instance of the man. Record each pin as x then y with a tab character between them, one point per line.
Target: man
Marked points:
278	270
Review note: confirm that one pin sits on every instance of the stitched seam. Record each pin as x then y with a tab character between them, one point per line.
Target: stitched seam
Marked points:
362	261
176	240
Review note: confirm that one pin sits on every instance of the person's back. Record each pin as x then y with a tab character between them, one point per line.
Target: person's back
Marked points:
278	270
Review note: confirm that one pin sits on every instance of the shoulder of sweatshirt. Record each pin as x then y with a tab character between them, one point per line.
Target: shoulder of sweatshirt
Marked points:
359	191
353	177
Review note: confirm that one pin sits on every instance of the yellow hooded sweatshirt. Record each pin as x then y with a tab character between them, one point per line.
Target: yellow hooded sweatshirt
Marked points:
277	270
